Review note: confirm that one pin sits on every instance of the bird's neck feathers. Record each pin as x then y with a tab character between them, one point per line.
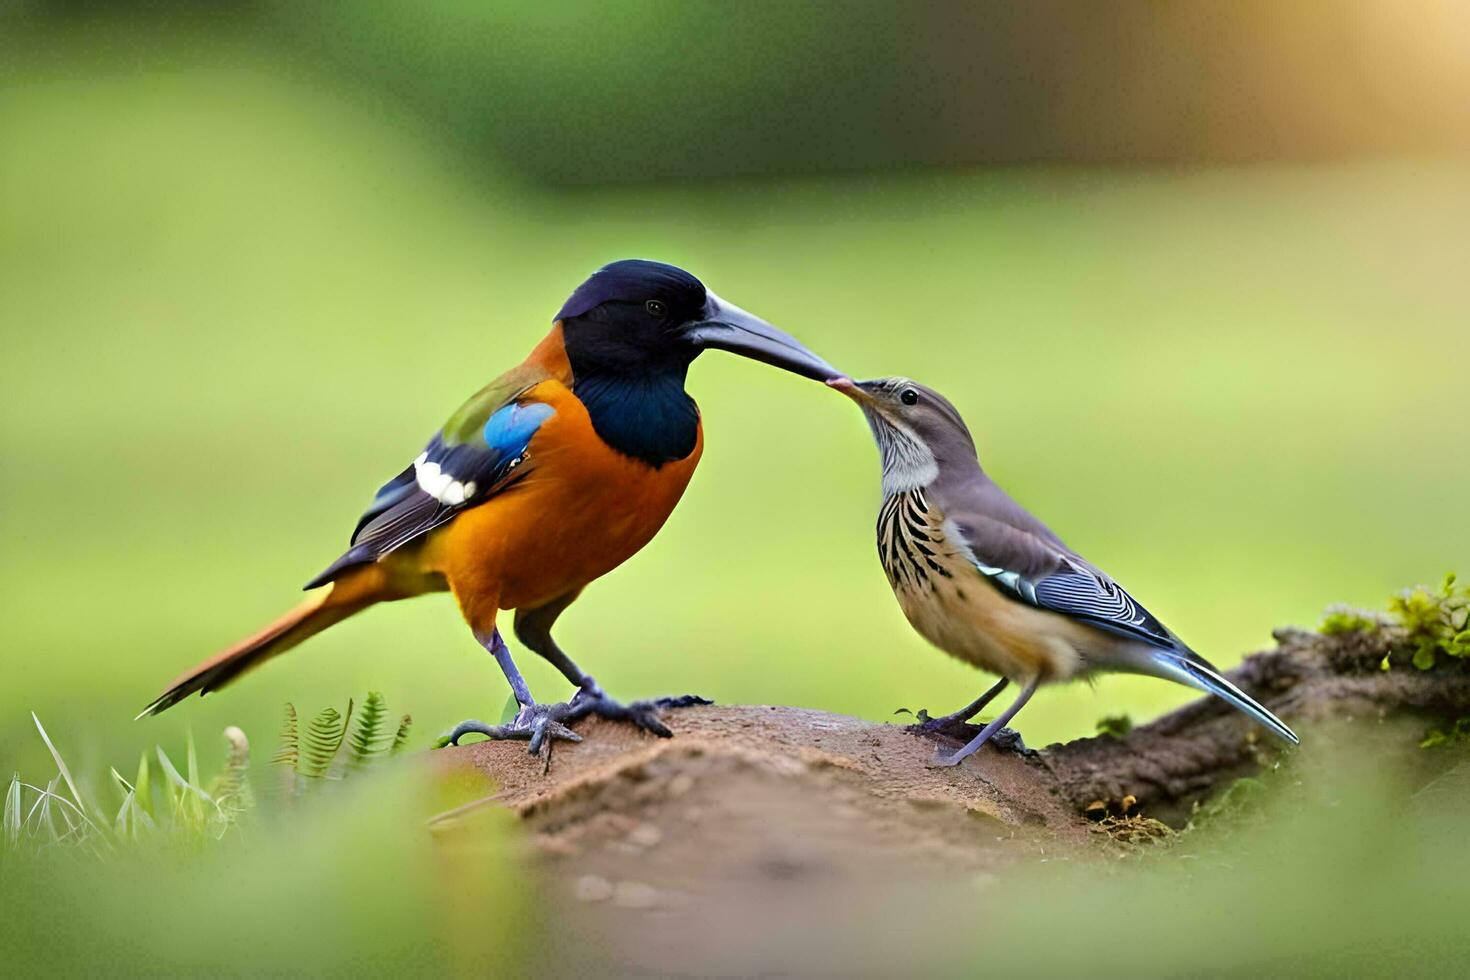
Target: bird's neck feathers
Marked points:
647	415
637	405
908	463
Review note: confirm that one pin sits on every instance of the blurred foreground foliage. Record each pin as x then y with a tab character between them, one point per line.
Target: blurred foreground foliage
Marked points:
1348	860
191	876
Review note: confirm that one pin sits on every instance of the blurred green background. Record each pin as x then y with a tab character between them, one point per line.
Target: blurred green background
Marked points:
1197	282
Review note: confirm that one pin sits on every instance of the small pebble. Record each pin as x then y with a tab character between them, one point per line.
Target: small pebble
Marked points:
681	784
591	888
634	895
646	835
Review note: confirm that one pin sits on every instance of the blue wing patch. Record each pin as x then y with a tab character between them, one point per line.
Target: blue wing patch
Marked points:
511	428
444	480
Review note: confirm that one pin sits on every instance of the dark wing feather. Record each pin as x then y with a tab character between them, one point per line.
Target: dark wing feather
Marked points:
447	478
1086	594
1023	558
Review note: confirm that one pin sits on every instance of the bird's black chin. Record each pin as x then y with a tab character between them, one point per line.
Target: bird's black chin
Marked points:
725	326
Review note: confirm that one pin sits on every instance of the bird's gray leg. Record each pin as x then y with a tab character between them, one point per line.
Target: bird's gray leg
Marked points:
533	628
955	724
539	724
985	733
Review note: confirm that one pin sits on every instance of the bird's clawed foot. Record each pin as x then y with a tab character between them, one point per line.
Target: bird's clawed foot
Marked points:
591	700
543	724
539	724
953	725
1003	739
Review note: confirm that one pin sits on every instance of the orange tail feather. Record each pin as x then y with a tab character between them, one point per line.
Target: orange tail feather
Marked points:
325	609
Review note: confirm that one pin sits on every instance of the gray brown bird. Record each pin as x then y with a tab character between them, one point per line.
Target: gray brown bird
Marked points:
986	582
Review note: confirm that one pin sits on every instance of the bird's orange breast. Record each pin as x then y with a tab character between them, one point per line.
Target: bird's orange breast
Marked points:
581	510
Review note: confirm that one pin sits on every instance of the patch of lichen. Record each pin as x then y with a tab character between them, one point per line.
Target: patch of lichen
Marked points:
1435	623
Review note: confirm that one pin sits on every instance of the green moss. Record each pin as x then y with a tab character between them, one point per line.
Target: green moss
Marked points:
1348	619
1115	726
1455	734
1436	622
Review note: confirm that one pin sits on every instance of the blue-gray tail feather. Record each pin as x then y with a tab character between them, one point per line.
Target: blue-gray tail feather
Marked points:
1193	671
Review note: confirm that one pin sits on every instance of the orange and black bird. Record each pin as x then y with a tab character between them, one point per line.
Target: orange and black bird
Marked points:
551	476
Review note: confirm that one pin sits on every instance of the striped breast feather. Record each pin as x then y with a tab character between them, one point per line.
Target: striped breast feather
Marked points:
446	478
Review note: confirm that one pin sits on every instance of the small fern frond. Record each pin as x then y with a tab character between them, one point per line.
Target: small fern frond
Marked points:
400	737
368	737
288	752
229	787
322	742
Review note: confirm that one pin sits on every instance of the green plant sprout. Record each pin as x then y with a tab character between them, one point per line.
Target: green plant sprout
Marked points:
1115	726
1435	622
1453	734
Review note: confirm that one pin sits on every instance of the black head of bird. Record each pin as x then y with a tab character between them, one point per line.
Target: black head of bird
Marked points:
632	329
638	316
984	580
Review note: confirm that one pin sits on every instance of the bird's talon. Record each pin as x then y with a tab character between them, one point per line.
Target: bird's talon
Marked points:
643	714
946	725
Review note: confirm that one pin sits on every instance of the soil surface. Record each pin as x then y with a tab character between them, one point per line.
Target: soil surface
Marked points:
758	821
759	839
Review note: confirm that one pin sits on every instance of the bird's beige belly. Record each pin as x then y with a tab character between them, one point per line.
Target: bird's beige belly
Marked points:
952	605
970	620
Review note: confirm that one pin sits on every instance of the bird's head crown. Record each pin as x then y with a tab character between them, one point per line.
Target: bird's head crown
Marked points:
638	282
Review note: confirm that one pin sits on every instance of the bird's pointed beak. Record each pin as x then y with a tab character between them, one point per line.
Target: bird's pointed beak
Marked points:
727	327
852	389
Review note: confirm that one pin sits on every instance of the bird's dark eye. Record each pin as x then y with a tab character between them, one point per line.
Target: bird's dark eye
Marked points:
655	307
909	396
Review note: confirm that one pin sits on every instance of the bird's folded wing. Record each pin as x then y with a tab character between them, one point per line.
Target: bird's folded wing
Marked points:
483	449
1022	558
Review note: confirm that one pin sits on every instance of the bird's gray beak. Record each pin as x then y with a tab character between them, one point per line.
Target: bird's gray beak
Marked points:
727	327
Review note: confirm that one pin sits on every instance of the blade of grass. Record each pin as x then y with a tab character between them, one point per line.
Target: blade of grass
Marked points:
122	784
143	786
12	811
188	800
60	763
191	759
45	820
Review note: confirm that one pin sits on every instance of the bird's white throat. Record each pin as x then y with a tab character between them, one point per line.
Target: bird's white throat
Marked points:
907	462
